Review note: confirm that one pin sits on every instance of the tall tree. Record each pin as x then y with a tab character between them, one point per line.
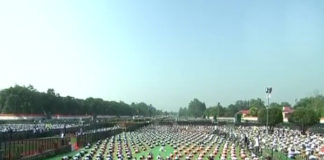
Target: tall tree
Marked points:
214	111
304	118
275	117
183	112
196	108
274	104
253	111
285	104
21	99
257	103
316	103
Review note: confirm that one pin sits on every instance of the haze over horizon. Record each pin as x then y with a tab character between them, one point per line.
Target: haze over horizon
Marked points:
164	53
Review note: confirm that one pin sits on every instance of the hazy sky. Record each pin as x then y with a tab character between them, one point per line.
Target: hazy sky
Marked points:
164	52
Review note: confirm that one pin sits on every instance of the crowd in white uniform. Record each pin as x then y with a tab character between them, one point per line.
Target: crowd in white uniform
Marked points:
37	127
209	142
187	143
290	142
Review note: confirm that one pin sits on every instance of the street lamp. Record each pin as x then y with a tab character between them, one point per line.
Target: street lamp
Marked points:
268	94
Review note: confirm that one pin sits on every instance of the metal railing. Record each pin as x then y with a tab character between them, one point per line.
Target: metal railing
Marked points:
12	150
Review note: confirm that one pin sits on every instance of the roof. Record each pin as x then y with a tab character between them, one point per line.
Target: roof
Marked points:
287	109
244	111
20	115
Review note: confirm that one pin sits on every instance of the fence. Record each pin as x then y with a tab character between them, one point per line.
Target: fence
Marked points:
277	155
10	136
83	140
25	146
273	155
12	150
15	145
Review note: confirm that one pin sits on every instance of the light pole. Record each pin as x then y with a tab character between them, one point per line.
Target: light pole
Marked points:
268	93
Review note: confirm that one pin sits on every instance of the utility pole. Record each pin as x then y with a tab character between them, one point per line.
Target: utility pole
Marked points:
268	94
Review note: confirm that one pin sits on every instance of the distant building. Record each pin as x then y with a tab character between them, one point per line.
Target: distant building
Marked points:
246	117
286	112
245	113
19	116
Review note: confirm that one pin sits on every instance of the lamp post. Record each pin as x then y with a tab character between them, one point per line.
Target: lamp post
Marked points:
268	93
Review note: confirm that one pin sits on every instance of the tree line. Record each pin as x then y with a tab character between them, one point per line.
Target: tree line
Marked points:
197	108
307	111
22	99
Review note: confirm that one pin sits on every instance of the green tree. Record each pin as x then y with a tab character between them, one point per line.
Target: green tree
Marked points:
143	109
220	110
238	118
183	112
253	111
316	103
196	108
232	109
211	111
285	104
277	105
304	118
21	99
275	117
215	111
257	103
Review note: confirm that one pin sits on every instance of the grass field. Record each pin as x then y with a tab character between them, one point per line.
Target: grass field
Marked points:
169	150
157	151
59	157
147	142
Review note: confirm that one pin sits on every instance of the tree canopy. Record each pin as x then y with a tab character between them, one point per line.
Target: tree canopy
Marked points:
275	116
304	118
253	111
21	99
196	108
316	103
276	105
228	111
214	111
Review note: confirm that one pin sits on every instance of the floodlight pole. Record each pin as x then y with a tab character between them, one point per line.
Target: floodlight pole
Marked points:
268	116
268	92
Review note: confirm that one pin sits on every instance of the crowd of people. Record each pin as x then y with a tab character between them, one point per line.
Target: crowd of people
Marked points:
166	142
288	141
197	141
35	127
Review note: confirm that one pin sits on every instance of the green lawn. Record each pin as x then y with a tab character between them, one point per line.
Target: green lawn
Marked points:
59	157
157	151
277	155
168	149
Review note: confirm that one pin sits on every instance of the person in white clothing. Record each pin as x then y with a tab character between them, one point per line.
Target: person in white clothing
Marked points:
256	144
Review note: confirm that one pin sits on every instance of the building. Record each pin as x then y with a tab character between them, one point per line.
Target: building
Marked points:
244	112
286	112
